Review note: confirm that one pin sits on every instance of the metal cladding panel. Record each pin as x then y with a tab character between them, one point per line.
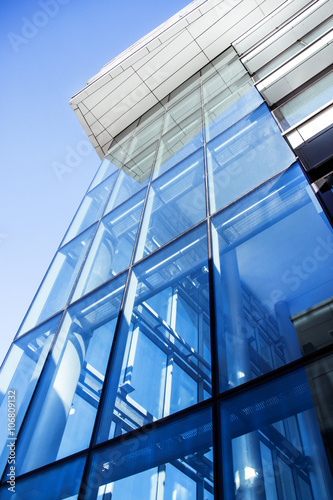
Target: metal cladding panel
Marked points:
292	80
137	79
288	35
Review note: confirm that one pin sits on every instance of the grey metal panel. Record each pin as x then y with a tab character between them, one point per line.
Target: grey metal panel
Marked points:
302	73
283	11
296	33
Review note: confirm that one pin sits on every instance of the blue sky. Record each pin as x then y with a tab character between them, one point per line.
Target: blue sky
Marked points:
48	50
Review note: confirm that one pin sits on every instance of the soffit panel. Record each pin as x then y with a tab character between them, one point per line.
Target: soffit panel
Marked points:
264	27
287	36
181	75
153	67
124	119
229	28
177	62
160	61
297	76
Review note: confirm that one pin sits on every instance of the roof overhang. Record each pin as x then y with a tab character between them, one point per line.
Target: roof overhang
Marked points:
137	79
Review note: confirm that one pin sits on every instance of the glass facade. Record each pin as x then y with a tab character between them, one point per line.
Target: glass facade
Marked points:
179	347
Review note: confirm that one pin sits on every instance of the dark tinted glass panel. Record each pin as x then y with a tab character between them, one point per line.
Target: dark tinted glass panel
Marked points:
169	462
314	326
273	446
162	359
59	483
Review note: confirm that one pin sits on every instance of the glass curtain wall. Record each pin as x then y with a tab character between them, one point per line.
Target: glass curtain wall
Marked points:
173	347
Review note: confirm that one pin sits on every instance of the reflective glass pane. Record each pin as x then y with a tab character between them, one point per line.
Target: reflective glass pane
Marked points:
306	102
270	64
273	250
228	93
91	208
176	201
116	155
58	281
223	71
182	130
172	461
314	326
140	157
178	143
19	376
66	401
125	187
105	170
320	379
162	359
112	247
59	483
244	156
120	145
260	457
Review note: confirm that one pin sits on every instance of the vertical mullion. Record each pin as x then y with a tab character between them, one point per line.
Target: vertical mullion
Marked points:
201	347
170	358
217	466
161	476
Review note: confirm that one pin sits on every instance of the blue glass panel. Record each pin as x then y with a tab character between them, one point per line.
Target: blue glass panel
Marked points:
178	484
19	374
112	247
65	404
268	471
116	155
161	360
272	253
228	93
258	457
244	156
91	208
306	102
176	201
179	143
185	389
173	460
58	282
232	109
142	150
105	170
59	483
182	130
125	187
144	482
